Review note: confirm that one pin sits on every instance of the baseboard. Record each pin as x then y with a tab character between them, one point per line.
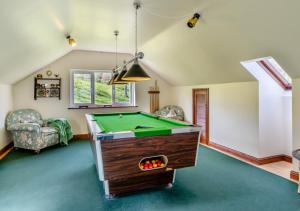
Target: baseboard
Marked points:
250	158
5	150
81	137
287	158
294	175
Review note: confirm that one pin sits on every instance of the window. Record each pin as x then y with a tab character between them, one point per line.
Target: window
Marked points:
276	72
90	89
272	68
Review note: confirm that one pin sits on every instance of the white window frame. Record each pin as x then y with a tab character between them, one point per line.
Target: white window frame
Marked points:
92	88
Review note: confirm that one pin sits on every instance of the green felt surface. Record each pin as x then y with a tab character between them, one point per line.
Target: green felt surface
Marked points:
129	121
65	179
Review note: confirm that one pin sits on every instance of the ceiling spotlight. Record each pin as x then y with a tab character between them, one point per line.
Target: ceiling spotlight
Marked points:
72	41
193	21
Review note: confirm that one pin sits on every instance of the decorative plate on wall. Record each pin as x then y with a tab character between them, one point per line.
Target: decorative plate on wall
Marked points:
49	73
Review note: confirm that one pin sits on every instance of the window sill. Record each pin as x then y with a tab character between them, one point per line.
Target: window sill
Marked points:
100	107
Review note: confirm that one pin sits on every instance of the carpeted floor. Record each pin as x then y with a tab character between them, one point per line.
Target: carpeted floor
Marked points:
64	178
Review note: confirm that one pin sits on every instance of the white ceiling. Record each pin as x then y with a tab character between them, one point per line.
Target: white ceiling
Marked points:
32	35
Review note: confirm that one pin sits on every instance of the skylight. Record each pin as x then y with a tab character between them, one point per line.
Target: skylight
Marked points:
272	68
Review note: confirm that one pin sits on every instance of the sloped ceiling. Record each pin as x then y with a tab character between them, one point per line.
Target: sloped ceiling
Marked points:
32	35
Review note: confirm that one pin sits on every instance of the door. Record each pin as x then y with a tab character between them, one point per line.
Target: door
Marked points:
201	112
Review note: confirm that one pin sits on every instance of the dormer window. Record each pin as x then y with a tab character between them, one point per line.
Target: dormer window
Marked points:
272	68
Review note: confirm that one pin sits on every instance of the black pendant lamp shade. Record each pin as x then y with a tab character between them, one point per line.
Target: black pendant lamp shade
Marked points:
119	78
136	73
113	78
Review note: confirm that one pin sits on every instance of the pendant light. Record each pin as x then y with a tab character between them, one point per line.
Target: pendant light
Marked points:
136	72
119	78
115	71
114	76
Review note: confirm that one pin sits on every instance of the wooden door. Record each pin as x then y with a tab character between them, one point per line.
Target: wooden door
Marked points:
201	112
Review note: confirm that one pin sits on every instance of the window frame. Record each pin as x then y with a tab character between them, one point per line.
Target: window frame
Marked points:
93	104
275	74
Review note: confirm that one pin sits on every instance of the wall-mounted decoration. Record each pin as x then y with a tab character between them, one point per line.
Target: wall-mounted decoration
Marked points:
154	97
41	92
49	73
54	93
47	88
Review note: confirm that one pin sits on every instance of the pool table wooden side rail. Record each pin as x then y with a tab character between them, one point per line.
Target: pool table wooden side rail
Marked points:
117	160
121	157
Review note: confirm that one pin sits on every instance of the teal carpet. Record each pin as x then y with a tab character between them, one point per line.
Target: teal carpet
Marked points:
64	178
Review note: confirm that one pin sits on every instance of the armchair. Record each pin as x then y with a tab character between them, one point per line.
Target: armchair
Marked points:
171	111
28	131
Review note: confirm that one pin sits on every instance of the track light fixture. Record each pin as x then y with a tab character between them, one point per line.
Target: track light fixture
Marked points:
193	21
72	41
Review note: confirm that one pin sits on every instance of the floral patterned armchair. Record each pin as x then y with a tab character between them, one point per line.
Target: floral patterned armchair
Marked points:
28	131
171	111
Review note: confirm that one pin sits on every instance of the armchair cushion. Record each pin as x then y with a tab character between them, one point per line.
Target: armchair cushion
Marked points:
48	130
24	116
33	127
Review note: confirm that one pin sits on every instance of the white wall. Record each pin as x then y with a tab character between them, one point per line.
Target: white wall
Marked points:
23	90
275	114
296	119
6	105
234	120
275	119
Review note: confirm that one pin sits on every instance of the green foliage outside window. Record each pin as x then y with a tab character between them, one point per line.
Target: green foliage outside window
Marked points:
103	92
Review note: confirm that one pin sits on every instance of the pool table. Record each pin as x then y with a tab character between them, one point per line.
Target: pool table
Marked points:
135	151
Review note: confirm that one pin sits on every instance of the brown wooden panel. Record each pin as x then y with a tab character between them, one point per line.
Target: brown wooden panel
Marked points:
140	183
122	156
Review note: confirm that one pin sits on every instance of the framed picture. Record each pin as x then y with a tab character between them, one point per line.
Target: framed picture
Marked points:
54	93
41	92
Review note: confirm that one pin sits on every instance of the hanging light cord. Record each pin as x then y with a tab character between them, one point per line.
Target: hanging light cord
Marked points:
116	34
137	6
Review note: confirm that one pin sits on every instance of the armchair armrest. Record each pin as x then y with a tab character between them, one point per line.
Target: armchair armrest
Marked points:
45	122
34	127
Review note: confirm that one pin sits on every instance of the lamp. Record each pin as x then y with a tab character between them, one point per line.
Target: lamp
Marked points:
136	72
72	41
114	76
192	22
119	78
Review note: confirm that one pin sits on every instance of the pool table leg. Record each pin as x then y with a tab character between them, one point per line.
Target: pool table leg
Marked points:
110	196
106	190
170	185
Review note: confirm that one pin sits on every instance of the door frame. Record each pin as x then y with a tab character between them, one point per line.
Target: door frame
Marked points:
206	109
